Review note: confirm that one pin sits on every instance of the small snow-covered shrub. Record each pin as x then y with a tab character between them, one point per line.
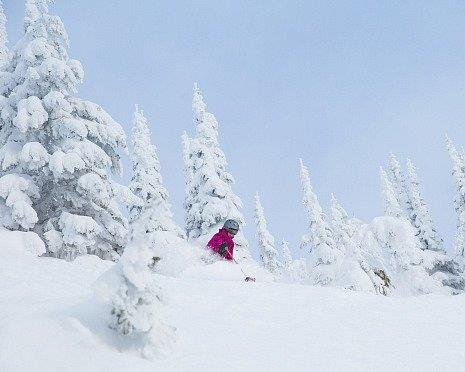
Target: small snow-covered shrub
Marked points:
137	302
391	248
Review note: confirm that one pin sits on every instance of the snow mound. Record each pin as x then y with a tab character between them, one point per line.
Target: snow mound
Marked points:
18	243
390	243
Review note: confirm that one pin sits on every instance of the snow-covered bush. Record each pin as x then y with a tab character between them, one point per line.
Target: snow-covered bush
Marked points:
209	196
294	271
389	244
447	270
137	306
354	272
62	146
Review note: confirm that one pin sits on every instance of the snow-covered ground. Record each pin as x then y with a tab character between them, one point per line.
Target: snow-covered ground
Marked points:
50	320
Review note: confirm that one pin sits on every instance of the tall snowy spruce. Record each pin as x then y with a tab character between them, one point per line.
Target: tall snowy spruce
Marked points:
419	214
138	303
343	231
392	207
16	191
398	182
268	252
209	196
458	173
57	150
392	244
324	257
4	52
287	257
146	183
191	184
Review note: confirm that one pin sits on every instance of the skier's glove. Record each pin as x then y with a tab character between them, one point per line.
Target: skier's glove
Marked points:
222	249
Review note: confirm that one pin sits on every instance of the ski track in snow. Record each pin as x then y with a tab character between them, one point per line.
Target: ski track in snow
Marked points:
50	321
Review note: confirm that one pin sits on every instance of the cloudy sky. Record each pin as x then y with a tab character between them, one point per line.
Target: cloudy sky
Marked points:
339	83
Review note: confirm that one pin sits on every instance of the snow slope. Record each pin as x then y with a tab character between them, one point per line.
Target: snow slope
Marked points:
51	321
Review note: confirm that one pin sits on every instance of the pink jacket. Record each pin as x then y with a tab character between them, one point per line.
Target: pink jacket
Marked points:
220	238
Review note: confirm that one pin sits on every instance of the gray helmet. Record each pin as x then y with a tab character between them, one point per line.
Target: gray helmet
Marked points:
231	226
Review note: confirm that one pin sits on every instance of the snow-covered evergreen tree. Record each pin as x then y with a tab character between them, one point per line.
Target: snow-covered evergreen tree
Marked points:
397	178
324	255
268	252
147	184
5	82
398	248
209	196
4	53
294	271
355	271
410	201
390	244
138	302
287	257
419	214
391	203
342	230
191	187
58	147
458	173
5	76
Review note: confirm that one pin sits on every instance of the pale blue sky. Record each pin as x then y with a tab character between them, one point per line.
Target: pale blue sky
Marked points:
338	83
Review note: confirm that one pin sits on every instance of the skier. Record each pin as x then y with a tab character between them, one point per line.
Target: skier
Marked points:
222	242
